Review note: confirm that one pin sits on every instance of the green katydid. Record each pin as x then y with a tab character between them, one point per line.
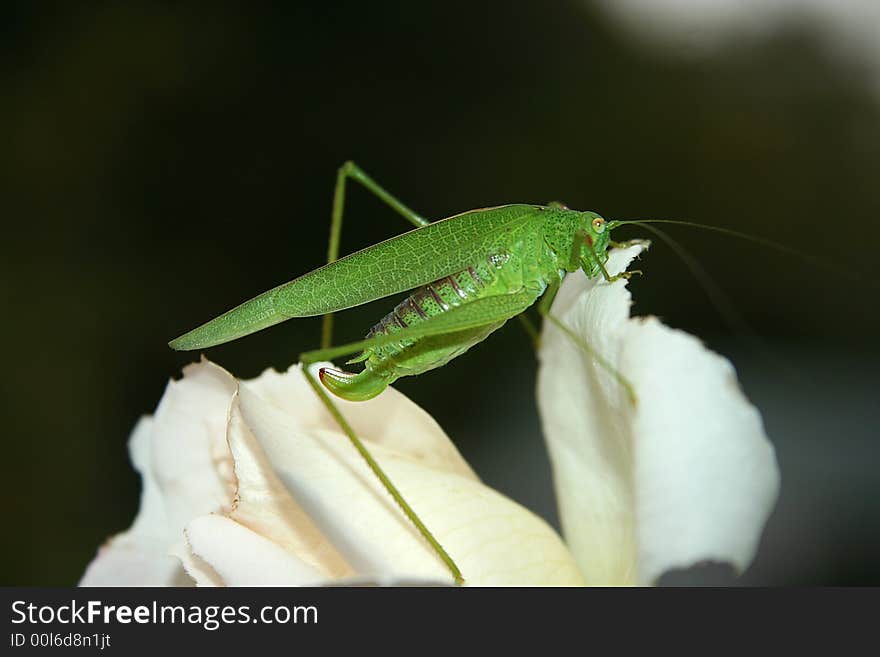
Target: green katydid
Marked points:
468	275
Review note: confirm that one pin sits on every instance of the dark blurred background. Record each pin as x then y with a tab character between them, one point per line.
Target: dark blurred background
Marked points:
163	162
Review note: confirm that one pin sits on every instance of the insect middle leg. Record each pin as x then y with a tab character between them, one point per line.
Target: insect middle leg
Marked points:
582	344
353	171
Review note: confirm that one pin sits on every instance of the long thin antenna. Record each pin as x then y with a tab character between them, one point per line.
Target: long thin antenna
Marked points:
717	298
816	261
720	301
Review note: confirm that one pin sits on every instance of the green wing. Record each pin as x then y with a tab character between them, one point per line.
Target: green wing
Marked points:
396	265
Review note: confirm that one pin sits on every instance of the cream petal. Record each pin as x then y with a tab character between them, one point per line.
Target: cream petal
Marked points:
199	571
705	472
493	540
223	552
271	492
264	504
389	419
186	471
189	455
686	475
587	439
139	556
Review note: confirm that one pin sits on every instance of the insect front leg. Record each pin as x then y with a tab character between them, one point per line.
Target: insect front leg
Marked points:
626	275
353	171
628	243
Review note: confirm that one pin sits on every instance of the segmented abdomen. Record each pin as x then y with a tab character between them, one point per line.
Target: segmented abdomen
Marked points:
433	299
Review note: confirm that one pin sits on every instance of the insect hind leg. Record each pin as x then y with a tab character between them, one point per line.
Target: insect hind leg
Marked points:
381	476
354	172
592	353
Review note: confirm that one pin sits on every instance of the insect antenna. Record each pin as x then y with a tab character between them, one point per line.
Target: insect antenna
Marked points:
720	301
822	263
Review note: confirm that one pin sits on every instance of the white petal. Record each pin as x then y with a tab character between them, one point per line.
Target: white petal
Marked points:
265	505
189	455
186	471
493	540
686	475
139	557
270	491
134	563
706	475
224	552
389	419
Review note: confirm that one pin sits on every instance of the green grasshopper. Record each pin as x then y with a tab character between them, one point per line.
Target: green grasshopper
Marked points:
468	274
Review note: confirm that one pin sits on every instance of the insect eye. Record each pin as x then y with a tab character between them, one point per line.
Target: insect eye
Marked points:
599	224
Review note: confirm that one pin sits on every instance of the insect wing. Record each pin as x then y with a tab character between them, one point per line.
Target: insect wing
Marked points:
398	264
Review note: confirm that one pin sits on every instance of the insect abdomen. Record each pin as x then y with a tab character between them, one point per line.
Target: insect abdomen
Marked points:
433	299
387	363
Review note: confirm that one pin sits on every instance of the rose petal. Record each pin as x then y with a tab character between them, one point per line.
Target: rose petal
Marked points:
706	474
270	491
686	475
265	505
389	419
493	540
139	557
223	552
190	458
186	471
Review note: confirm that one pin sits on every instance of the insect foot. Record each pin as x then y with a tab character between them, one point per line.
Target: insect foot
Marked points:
626	275
645	244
